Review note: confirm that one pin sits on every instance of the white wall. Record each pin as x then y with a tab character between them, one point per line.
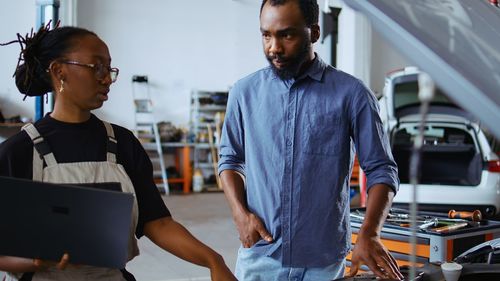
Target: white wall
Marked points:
180	45
15	16
362	51
384	60
354	48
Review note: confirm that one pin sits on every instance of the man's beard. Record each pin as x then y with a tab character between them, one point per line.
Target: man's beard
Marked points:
292	68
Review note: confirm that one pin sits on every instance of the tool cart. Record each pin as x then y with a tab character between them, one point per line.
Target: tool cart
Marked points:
439	238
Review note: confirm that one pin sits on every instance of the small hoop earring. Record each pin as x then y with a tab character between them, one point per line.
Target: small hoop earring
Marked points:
61	89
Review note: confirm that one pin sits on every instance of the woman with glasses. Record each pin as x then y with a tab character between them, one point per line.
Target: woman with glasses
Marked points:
71	145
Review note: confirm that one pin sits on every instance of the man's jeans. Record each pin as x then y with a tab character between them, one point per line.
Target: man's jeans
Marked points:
252	266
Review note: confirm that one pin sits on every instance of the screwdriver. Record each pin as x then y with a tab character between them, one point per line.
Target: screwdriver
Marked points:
450	227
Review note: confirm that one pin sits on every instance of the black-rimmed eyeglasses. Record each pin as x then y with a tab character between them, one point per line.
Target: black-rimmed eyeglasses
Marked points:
101	71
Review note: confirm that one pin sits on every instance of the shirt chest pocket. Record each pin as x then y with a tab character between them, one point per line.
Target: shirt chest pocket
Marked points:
322	133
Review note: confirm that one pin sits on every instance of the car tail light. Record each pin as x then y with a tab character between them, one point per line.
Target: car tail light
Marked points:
494	166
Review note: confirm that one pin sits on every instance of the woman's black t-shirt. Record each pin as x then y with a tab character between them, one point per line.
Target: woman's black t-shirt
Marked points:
87	142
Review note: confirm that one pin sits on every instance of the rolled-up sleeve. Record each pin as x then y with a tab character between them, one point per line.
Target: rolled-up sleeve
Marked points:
232	145
372	144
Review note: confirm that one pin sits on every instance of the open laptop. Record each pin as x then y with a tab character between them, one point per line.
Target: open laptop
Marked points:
45	220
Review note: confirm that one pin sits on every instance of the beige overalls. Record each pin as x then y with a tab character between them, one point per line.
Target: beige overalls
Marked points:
81	173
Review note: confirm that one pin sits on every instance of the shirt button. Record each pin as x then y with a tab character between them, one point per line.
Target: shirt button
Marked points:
288	142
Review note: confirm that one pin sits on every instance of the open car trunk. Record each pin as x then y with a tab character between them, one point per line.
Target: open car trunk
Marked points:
449	155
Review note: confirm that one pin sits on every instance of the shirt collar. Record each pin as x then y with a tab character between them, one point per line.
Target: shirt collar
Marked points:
315	71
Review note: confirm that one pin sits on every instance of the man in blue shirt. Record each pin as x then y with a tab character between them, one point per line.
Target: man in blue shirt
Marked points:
286	155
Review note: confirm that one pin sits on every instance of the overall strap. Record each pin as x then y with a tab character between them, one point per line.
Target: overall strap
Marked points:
111	145
40	149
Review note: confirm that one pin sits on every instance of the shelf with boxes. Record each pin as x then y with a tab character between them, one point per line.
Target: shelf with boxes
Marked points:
206	117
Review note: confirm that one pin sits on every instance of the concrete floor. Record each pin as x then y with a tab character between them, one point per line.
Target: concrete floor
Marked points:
208	217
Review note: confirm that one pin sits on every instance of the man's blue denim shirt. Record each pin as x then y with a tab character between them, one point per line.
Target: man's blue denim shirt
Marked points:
294	141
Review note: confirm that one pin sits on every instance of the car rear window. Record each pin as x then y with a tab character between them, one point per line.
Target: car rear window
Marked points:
434	135
406	94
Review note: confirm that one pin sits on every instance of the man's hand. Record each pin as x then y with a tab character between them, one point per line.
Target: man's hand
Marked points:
371	252
42	265
251	229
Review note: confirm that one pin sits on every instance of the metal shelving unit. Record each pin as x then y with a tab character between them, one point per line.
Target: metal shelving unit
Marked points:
206	117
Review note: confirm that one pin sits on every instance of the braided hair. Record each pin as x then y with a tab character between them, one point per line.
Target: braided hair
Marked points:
38	50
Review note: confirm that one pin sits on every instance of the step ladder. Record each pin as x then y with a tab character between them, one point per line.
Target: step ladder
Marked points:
146	130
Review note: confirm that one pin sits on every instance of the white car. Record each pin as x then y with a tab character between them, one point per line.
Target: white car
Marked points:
460	167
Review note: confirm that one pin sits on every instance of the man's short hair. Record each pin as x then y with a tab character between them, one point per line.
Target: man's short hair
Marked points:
309	9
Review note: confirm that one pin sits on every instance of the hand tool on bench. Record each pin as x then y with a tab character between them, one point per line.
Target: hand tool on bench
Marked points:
473	216
450	227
